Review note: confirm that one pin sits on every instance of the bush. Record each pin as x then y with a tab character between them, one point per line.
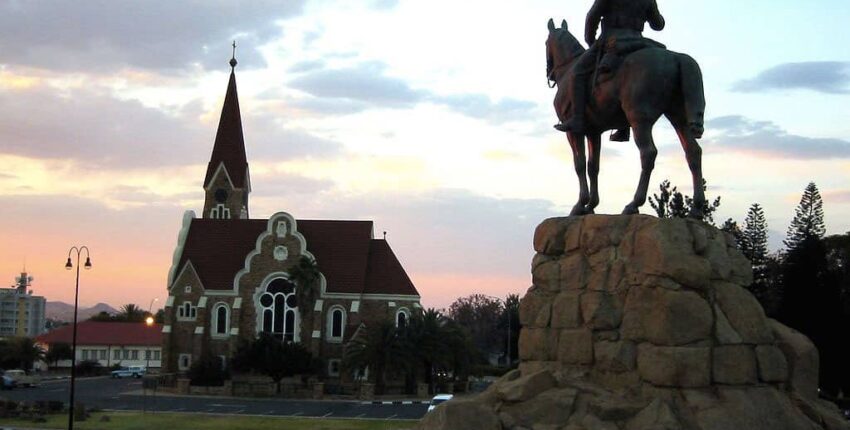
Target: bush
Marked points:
208	371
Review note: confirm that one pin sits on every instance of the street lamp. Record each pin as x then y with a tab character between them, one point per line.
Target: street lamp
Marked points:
148	322
69	265
508	313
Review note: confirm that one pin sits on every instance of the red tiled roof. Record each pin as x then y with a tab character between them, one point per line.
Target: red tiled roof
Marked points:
386	274
106	333
229	147
348	257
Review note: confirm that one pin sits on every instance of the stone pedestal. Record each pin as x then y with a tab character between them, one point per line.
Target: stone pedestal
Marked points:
367	391
183	385
318	390
422	390
635	322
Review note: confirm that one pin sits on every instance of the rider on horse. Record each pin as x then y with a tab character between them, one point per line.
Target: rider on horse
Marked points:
622	28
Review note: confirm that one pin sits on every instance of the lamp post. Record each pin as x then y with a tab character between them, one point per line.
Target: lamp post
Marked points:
69	265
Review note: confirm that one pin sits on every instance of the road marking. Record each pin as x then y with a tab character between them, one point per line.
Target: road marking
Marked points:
391	416
327	414
271	412
239	411
296	414
360	416
225	405
58	389
407	402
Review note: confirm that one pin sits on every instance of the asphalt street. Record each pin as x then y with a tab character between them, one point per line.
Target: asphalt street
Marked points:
126	395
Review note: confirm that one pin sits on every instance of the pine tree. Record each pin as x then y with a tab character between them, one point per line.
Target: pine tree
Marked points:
808	219
754	236
731	226
671	203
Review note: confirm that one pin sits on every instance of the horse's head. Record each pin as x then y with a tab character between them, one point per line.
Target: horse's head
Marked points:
562	48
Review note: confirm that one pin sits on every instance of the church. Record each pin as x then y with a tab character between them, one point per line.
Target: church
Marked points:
231	275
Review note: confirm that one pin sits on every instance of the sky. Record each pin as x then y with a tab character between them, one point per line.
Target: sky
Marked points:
431	118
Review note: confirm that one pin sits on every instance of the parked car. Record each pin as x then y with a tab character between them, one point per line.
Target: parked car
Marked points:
127	372
7	383
22	379
439	398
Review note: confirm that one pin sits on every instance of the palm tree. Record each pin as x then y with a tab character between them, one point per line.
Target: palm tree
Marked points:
382	348
427	336
131	313
306	274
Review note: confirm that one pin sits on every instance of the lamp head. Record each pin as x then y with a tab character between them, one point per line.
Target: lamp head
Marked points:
149	321
88	263
68	264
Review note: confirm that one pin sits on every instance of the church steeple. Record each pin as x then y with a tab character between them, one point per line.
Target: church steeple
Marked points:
227	182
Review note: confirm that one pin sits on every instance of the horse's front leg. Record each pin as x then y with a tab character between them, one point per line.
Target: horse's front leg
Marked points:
594	148
580	162
648	152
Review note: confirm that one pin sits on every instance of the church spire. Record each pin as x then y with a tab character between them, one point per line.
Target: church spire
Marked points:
227	181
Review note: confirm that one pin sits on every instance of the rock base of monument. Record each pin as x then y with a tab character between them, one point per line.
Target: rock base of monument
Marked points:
639	323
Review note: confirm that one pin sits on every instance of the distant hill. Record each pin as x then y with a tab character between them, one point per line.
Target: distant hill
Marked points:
62	311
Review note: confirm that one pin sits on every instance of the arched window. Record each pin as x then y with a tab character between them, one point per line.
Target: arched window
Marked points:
279	306
186	311
336	324
401	318
221	320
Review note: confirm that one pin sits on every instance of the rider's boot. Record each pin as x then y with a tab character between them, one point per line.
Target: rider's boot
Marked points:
576	123
621	135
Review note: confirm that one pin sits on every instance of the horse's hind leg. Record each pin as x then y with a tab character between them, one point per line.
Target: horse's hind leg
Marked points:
577	144
648	152
594	146
693	153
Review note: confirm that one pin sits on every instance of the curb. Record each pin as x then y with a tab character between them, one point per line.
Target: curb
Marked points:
396	402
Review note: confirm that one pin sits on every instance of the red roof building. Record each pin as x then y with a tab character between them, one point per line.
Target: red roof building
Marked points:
110	343
233	277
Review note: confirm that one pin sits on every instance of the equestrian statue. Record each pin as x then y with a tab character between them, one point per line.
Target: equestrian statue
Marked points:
624	81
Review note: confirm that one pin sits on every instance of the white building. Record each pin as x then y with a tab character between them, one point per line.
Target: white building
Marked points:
110	343
21	313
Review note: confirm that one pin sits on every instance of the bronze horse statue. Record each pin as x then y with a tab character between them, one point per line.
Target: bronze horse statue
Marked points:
649	83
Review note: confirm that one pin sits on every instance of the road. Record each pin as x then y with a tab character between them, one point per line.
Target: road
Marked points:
125	395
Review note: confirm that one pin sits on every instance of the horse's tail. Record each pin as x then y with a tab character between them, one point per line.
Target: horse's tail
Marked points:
693	94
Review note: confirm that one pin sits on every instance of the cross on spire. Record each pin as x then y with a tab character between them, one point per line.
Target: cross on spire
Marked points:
233	61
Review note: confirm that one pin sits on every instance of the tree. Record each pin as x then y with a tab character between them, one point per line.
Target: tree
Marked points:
131	313
479	315
19	352
754	247
808	218
305	274
671	203
273	358
102	316
59	351
509	325
382	348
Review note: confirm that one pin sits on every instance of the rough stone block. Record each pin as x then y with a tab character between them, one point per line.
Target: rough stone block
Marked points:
552	407
573	272
535	309
526	386
744	313
600	310
566	311
669	366
734	365
723	331
617	357
666	249
575	347
538	344
547	276
772	365
549	236
802	358
461	414
666	317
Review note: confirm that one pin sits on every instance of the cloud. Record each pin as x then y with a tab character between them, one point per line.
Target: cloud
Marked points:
106	35
366	85
830	77
840	196
90	126
767	139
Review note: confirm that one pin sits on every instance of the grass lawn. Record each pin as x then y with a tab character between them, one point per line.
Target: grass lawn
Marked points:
137	421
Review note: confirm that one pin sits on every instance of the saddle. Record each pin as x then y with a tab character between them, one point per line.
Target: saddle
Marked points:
617	49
